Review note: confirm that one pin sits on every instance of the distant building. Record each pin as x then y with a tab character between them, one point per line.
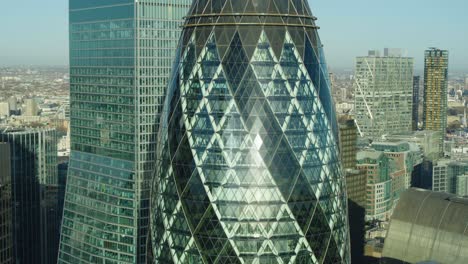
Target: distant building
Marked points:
13	104
422	176
416	82
440	180
6	229
451	176
383	91
389	167
435	93
4	109
34	179
462	185
30	108
427	227
355	179
348	142
376	165
405	157
426	140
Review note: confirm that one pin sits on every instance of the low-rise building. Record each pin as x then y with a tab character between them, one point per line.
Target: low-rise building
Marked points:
451	176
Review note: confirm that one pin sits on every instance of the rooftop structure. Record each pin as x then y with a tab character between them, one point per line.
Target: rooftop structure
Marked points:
428	227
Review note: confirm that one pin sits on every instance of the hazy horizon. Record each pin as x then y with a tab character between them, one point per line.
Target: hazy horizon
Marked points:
348	29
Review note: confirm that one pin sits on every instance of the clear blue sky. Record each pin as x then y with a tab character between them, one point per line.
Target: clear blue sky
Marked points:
35	31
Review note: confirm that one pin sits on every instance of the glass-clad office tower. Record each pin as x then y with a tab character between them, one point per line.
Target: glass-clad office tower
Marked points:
121	52
249	167
6	211
33	167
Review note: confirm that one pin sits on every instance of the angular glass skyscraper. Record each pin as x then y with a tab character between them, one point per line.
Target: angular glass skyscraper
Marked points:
383	91
121	52
249	167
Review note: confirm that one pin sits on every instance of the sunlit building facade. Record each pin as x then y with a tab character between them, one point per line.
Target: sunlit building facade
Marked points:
435	92
121	52
249	168
383	91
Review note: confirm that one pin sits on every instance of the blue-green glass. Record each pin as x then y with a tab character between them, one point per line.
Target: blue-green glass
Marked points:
248	168
121	52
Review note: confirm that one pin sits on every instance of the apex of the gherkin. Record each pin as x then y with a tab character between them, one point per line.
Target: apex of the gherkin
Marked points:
251	11
249	18
293	7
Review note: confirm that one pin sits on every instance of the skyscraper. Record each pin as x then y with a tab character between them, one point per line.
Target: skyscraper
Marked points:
33	162
435	92
30	108
121	52
383	91
6	221
416	82
249	167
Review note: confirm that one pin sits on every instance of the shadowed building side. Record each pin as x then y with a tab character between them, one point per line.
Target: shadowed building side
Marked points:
6	234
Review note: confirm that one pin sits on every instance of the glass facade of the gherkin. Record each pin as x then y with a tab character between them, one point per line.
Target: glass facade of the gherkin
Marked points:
249	168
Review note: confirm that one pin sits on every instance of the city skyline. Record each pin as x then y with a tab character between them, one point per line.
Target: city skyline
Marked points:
233	131
401	25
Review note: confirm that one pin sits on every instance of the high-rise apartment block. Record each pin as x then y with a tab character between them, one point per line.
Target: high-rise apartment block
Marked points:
33	162
435	93
249	168
383	91
416	85
6	211
121	54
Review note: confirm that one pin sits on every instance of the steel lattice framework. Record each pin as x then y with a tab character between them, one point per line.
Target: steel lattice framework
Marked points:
248	168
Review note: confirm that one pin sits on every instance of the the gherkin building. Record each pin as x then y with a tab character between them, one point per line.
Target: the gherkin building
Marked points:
248	167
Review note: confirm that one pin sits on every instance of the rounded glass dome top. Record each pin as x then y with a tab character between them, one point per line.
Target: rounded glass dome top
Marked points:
248	168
